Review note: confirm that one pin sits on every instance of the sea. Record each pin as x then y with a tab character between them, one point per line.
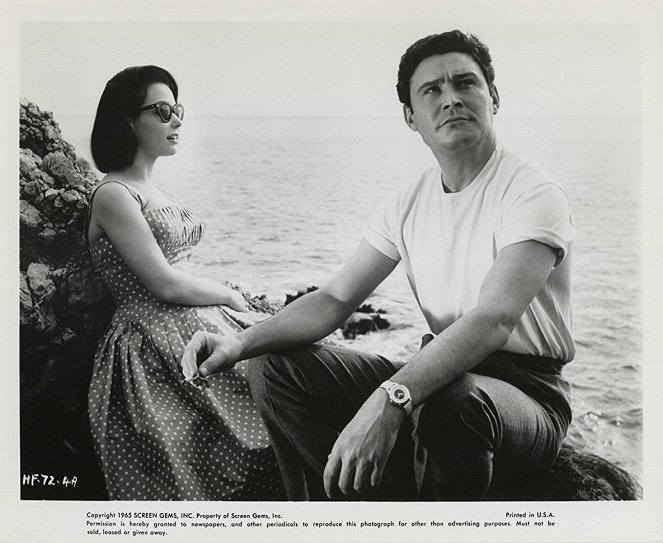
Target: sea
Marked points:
285	200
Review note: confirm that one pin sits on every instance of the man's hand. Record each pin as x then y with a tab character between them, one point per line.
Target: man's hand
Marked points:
360	453
209	353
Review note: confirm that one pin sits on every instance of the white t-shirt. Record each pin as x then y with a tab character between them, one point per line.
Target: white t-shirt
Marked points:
449	241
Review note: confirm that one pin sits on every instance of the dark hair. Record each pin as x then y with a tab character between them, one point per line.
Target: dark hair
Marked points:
454	41
113	142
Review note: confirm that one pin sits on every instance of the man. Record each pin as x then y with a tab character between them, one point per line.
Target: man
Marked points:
486	239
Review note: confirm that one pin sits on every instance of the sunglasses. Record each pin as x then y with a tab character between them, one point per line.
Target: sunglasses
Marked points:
165	110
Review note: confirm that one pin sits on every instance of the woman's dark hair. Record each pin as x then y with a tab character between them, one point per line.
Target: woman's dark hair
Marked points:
113	142
454	41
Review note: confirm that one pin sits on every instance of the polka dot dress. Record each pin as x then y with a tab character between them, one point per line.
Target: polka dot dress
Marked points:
158	438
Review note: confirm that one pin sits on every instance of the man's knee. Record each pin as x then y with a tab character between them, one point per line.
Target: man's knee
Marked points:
461	411
277	370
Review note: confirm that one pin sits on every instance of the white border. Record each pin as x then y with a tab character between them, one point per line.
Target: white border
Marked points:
64	521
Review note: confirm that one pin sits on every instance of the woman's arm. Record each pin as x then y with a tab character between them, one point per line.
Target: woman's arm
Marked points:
119	215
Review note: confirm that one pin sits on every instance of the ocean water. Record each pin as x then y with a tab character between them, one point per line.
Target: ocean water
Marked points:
285	200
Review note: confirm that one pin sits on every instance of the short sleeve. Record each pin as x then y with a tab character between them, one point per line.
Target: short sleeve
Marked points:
380	228
541	213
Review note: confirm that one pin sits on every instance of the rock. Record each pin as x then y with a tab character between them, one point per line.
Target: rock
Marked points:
292	297
262	304
30	216
58	283
39	282
363	323
368	308
40	133
63	169
576	476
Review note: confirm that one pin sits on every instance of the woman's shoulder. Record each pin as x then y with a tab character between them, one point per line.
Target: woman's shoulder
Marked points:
116	191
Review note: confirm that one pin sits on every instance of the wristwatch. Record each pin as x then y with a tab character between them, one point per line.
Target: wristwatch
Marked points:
398	395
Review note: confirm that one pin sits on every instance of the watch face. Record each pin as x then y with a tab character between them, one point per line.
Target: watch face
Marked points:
400	394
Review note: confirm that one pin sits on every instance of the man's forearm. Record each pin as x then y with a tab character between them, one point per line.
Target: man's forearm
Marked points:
304	321
453	352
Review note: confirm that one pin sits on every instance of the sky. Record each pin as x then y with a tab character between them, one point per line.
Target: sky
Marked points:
328	66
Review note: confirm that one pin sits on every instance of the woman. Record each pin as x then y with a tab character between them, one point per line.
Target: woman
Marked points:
159	438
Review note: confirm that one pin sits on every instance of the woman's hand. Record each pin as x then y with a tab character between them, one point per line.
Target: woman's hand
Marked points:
236	301
248	317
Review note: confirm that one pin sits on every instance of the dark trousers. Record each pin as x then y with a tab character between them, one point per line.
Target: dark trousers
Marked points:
491	427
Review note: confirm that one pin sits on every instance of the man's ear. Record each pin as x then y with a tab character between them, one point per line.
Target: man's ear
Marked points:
409	118
496	99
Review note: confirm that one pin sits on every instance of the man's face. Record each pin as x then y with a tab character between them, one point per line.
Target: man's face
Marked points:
452	105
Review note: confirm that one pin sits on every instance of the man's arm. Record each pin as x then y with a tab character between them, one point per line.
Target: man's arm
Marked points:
517	275
304	321
360	453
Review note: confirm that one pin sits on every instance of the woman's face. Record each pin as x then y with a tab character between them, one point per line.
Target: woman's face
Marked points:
156	138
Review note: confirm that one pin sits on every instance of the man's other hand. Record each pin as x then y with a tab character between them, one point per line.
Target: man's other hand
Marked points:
360	453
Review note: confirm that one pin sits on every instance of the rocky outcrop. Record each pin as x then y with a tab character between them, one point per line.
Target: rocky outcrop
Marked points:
576	476
63	303
64	308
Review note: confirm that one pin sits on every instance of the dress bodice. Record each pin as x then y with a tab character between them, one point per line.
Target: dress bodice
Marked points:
176	230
